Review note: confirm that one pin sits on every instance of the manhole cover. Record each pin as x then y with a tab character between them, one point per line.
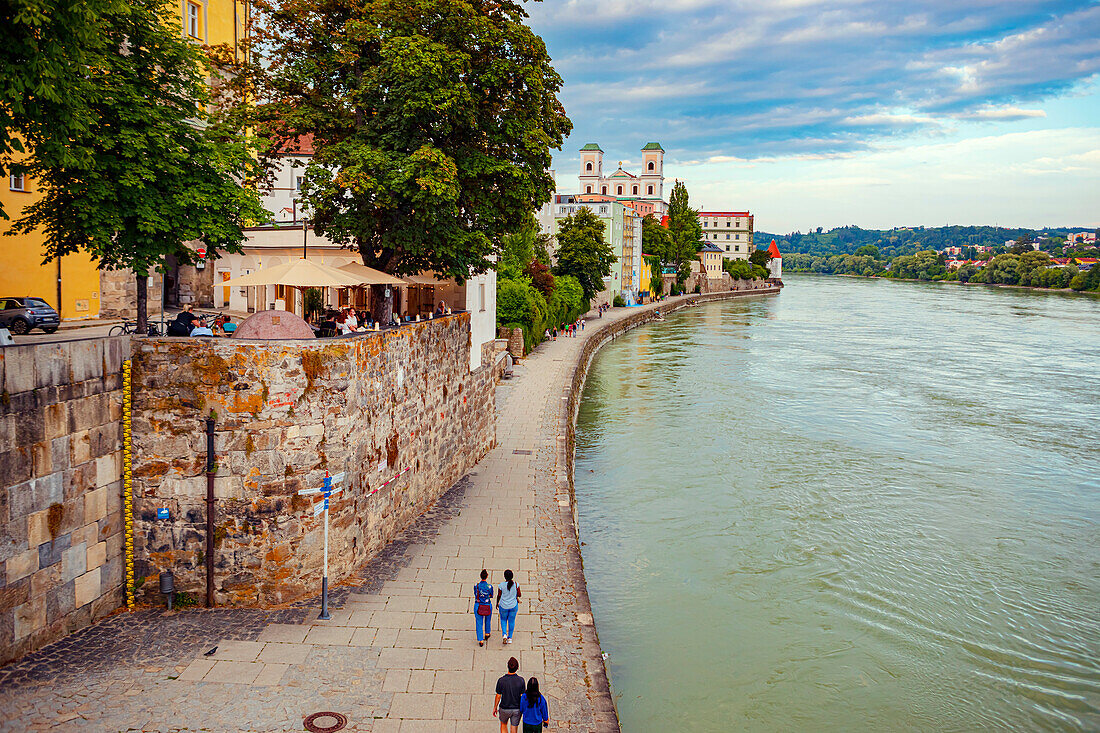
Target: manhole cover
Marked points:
325	722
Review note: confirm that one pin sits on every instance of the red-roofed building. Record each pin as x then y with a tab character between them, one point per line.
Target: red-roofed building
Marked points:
775	264
731	231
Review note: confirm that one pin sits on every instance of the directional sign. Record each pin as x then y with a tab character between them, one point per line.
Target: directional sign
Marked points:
327	490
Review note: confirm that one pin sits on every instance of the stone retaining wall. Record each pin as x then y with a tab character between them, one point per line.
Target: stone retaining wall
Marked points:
374	406
60	489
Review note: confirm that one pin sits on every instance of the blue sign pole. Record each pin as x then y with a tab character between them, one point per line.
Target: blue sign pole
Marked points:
326	491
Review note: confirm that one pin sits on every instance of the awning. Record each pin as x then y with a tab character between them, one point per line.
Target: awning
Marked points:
371	276
423	279
300	273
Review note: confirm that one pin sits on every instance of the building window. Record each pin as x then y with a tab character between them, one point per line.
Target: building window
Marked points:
193	20
651	165
588	189
650	192
738	236
727	248
737	248
588	166
705	223
605	190
481	296
18	183
619	191
727	222
635	190
297	183
727	236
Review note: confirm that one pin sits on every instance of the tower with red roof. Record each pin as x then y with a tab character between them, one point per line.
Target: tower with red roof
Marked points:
775	264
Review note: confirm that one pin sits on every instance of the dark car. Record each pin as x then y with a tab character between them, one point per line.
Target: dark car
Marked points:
20	315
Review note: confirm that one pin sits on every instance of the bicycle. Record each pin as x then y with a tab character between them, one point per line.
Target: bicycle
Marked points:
130	327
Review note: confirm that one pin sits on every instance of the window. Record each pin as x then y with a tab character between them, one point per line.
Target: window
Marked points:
651	167
297	183
738	236
588	189
588	166
18	183
727	222
619	191
481	296
635	190
192	20
605	190
727	248
737	248
727	236
706	223
650	191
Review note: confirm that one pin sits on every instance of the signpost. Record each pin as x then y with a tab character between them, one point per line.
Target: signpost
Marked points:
327	490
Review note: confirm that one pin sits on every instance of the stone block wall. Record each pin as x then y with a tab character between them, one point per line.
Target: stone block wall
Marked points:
60	489
118	294
398	403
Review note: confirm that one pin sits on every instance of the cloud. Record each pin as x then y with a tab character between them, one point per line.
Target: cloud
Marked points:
763	78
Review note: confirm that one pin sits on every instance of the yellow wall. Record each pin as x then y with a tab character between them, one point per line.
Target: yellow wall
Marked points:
22	273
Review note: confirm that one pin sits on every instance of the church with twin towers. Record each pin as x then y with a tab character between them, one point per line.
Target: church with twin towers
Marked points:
647	187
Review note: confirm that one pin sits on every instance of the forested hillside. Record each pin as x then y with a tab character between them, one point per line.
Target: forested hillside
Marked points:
900	241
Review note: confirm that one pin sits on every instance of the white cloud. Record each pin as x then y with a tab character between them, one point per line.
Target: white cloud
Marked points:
1000	113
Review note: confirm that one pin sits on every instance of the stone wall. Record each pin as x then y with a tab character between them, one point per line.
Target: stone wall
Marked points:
514	339
397	403
60	489
118	294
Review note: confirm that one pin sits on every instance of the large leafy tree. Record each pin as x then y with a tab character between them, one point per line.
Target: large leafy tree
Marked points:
684	230
147	176
47	51
432	124
656	239
582	251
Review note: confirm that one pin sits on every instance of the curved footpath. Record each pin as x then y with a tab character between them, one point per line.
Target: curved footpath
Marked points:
399	652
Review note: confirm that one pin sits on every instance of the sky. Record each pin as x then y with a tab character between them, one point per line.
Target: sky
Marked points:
835	112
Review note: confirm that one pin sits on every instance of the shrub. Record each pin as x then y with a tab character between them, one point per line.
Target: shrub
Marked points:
618	302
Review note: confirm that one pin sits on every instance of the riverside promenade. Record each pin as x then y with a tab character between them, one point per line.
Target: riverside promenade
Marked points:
399	652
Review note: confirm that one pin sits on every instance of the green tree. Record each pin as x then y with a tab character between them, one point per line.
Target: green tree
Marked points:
656	239
738	269
147	178
656	282
432	122
760	258
50	53
868	250
583	253
684	230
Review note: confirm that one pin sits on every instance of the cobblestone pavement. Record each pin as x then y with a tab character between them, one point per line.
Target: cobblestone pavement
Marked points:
399	652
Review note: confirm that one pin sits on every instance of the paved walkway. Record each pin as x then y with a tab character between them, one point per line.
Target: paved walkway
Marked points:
399	652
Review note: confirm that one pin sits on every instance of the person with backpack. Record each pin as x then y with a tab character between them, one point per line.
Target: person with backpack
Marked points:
483	609
508	595
532	708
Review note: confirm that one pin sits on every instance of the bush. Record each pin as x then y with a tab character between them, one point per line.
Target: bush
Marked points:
618	302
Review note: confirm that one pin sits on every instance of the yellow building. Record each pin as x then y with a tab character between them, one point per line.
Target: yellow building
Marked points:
75	282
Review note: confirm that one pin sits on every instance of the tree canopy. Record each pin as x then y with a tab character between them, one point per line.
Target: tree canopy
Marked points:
146	177
432	123
684	230
582	251
656	239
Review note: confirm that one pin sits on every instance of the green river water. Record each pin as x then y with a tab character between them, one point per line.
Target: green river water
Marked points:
855	506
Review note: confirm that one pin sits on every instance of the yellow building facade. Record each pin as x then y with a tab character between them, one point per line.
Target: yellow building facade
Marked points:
75	283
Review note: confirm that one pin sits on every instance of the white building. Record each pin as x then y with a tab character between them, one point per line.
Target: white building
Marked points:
622	232
647	188
731	231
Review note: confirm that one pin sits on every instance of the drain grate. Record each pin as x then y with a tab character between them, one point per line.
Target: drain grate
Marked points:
521	452
325	722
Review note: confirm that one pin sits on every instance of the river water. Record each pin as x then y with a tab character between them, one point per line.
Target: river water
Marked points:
858	505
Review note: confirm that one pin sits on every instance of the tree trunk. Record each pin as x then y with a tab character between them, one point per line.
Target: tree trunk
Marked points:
142	305
381	307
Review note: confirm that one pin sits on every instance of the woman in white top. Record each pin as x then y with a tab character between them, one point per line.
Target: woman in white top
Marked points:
508	595
353	322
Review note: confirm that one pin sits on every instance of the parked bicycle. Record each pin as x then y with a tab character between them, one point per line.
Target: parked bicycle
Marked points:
130	327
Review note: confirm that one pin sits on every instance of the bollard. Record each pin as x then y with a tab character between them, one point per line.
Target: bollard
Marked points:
168	586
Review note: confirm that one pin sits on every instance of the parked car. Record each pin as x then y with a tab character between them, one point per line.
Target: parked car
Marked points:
20	315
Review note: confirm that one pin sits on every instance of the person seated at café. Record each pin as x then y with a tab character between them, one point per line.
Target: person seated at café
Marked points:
352	319
228	326
441	309
342	325
201	329
184	322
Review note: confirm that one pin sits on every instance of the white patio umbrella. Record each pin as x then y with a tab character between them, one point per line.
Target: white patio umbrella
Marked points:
370	276
300	273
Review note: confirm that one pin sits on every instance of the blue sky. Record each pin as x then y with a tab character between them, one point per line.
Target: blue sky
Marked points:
832	112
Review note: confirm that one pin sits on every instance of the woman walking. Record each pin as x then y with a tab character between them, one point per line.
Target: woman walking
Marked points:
508	595
532	708
483	609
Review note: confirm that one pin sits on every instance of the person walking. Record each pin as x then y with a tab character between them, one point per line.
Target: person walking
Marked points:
532	708
510	689
508	595
483	609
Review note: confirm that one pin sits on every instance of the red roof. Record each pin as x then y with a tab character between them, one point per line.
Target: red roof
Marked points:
724	213
301	145
774	251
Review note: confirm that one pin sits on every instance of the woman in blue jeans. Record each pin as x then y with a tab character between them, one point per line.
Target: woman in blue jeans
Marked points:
508	595
483	601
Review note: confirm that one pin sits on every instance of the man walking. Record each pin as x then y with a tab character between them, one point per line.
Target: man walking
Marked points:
506	705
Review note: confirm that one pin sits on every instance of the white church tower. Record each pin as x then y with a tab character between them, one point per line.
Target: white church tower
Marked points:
591	177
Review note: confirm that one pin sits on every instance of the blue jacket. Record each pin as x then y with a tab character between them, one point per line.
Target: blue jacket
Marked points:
533	715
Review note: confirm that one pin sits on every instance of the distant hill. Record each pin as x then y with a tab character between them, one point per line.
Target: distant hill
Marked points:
899	241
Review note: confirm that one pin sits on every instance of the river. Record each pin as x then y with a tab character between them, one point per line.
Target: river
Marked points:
859	505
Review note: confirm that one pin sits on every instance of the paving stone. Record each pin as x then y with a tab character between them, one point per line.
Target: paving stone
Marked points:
334	635
276	653
286	633
402	658
416	706
232	672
